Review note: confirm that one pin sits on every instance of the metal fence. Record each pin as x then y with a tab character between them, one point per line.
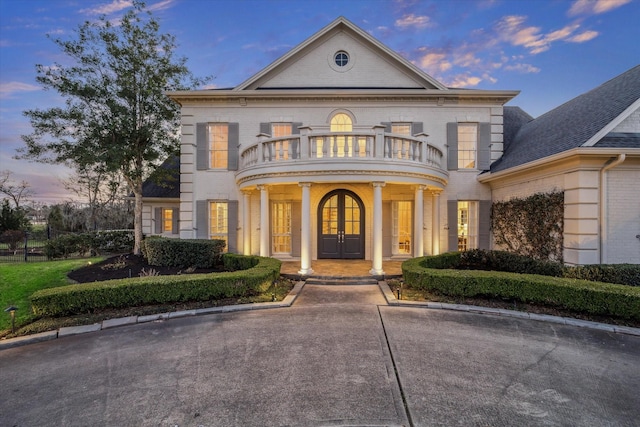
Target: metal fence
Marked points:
31	248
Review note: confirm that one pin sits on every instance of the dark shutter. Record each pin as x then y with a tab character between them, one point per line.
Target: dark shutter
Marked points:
484	146
416	128
202	219
387	230
387	126
295	130
296	228
158	219
174	224
452	219
233	147
232	226
452	149
484	224
202	146
265	128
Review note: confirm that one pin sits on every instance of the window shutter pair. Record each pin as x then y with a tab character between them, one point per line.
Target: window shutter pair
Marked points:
484	224
202	222
202	146
159	221
483	149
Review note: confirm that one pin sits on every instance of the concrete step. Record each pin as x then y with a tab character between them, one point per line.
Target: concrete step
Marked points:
341	281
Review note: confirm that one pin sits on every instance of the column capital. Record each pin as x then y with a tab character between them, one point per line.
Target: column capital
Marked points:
435	191
262	187
421	187
378	184
305	184
246	192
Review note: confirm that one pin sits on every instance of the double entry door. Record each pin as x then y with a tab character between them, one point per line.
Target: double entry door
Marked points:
341	226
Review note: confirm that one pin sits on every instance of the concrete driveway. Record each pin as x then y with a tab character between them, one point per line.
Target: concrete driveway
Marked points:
339	356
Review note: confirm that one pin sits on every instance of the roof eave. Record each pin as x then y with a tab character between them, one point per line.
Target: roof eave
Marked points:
545	161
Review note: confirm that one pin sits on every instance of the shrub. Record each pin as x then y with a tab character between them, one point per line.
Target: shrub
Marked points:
624	274
12	238
86	297
532	226
165	252
579	295
93	243
478	259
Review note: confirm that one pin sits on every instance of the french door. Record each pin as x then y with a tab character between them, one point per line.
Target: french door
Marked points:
341	226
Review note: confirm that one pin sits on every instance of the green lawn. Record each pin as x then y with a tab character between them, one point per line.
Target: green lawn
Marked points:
19	280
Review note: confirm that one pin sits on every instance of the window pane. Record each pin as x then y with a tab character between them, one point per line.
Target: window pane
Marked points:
341	123
401	128
218	145
351	216
467	143
402	227
280	129
218	221
467	225
281	227
330	216
167	220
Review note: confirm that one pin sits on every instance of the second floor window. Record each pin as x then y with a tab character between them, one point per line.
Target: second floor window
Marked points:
218	145
401	128
467	145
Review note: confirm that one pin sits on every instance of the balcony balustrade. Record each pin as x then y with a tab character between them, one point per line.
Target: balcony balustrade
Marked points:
342	145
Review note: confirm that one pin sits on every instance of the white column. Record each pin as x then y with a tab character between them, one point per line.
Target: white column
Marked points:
264	220
246	222
418	238
305	237
376	269
435	215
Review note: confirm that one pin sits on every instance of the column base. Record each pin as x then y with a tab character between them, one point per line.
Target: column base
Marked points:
375	272
305	271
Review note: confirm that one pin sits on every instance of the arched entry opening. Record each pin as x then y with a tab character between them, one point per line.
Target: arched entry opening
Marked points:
341	226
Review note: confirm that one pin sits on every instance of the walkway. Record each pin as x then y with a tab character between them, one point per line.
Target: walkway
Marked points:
342	268
338	357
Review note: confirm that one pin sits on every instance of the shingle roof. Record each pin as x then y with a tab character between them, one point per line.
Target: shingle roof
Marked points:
571	124
513	119
620	140
165	182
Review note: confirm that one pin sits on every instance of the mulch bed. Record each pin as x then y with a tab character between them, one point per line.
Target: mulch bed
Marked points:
125	266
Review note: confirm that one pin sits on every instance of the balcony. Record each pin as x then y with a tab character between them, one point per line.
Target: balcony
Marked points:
349	156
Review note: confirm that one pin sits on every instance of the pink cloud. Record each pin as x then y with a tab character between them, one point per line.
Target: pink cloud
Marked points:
411	20
594	7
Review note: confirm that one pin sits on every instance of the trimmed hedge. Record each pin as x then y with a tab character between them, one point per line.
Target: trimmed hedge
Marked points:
479	259
624	274
198	253
120	293
94	242
579	295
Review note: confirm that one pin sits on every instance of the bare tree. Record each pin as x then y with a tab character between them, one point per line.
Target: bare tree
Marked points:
16	192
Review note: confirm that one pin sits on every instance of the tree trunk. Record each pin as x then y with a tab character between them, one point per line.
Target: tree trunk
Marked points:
137	220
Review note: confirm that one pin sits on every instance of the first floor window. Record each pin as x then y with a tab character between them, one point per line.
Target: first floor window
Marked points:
219	221
281	227
167	220
467	225
402	223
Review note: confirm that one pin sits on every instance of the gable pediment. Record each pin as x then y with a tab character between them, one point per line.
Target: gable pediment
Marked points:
363	63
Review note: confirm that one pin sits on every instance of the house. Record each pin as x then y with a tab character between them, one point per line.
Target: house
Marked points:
589	148
343	149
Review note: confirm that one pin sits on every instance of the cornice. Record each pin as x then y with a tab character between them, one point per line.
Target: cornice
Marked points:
372	176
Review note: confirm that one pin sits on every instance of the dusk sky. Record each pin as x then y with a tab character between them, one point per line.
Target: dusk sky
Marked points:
550	50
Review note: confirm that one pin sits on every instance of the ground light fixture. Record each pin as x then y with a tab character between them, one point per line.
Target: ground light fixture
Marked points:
12	311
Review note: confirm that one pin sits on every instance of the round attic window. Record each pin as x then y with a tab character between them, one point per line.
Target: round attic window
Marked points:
341	58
